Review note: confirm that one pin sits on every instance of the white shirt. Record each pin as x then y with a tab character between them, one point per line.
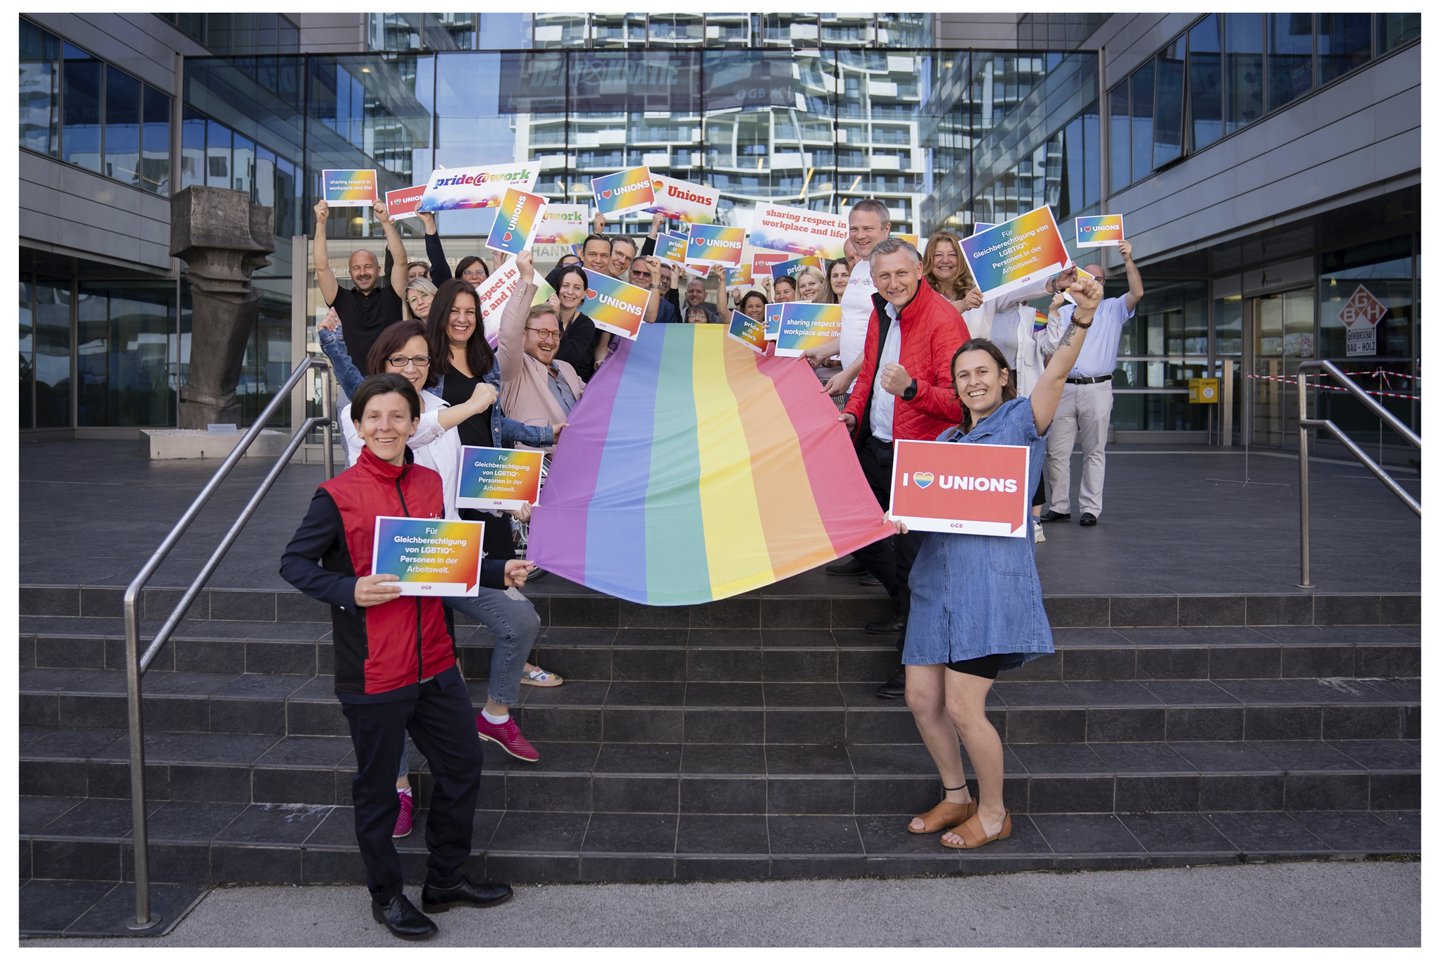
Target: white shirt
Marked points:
433	446
1102	341
855	310
882	401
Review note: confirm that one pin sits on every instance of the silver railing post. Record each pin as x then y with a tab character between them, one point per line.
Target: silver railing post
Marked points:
327	409
1227	403
136	664
1304	485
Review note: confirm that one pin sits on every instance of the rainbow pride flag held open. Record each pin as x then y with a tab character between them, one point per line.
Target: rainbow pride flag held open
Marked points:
694	469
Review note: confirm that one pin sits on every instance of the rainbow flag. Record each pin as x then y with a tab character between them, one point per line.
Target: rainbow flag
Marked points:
695	469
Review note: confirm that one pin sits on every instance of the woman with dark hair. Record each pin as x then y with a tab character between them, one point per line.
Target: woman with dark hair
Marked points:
975	601
837	275
472	270
753	304
570	259
578	336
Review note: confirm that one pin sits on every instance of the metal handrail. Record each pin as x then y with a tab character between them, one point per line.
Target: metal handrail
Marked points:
135	664
1306	425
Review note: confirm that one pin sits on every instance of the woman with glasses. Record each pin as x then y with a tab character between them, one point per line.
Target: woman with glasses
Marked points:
419	292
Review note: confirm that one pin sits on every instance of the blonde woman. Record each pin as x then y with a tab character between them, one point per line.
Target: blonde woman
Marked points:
418	294
810	286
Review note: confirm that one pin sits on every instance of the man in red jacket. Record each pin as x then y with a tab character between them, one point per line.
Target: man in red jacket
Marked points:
903	392
395	663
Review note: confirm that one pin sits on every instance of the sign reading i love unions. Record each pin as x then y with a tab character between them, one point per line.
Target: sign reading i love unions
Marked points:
627	190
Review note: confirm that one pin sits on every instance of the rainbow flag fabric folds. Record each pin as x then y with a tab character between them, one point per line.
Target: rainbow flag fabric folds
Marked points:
695	469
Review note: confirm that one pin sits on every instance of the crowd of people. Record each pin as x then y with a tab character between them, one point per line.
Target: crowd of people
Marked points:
922	354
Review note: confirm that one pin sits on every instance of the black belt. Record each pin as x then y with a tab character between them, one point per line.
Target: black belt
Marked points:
1108	376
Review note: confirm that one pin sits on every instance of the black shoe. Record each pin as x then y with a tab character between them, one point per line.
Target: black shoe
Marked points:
1050	516
849	568
463	894
1088	519
894	688
869	581
535	574
402	919
895	624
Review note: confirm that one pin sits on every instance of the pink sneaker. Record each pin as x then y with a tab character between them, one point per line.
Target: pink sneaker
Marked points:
508	736
405	822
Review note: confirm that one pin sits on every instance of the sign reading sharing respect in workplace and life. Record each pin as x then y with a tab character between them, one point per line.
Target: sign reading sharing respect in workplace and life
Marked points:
973	488
349	188
494	478
615	305
806	325
432	558
1014	253
494	293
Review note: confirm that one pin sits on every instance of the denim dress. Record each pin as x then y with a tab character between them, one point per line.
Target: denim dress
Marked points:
973	596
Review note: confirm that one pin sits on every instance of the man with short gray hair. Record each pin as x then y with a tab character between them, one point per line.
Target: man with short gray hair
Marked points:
912	336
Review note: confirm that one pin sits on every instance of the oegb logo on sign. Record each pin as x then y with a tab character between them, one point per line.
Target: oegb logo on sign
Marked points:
1362	306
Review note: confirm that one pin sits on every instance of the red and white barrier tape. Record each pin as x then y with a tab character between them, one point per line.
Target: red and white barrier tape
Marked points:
1322	386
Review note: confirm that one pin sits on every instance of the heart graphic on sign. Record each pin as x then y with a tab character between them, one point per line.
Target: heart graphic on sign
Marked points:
697	241
605	194
657	184
590	294
508	236
923	480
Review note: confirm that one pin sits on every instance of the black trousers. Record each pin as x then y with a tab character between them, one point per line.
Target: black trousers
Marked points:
441	721
888	560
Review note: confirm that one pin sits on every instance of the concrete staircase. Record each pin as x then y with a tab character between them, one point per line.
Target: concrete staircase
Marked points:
740	739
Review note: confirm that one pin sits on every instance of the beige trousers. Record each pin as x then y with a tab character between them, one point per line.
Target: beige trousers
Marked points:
1085	410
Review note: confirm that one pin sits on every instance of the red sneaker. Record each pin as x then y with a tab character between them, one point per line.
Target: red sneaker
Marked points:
405	822
508	736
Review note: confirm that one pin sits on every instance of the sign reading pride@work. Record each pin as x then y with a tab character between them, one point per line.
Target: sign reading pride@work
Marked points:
806	325
432	558
492	478
671	246
972	488
516	221
710	244
564	223
615	305
1106	231
629	189
1016	252
748	331
469	188
349	188
686	202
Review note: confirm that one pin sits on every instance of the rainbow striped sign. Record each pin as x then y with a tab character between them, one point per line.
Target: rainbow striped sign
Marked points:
806	325
615	305
349	188
1012	254
495	478
697	469
627	190
433	558
1104	231
712	244
516	221
748	331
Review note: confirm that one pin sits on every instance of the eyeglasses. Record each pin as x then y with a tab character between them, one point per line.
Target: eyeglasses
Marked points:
542	334
399	361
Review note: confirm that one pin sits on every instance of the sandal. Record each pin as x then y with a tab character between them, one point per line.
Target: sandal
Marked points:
972	834
540	678
945	814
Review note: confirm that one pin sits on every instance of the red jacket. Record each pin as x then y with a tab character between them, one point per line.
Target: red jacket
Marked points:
392	645
931	330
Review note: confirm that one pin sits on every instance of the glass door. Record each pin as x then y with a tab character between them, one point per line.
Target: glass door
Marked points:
1282	334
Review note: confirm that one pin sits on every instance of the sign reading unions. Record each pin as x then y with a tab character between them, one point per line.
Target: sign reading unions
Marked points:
969	488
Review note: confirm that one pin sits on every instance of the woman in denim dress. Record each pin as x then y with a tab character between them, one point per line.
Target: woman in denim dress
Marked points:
975	605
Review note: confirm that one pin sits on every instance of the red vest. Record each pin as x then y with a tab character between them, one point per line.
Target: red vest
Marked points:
405	640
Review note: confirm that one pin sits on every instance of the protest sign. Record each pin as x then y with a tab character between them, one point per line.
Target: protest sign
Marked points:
980	227
470	188
1079	275
738	276
671	246
748	331
516	221
712	244
806	325
1106	231
433	558
349	188
494	478
494	292
685	202
1012	254
798	232
972	488
615	305
404	203
630	189
788	268
564	223
763	262
772	320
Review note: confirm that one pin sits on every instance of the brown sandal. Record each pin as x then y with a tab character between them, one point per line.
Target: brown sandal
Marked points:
973	834
944	815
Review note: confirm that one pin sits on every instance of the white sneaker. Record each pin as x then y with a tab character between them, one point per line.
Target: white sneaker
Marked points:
1039	529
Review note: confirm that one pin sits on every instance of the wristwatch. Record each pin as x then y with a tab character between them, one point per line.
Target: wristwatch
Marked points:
910	391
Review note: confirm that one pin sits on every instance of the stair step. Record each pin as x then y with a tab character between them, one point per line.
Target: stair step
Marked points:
710	654
240	843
